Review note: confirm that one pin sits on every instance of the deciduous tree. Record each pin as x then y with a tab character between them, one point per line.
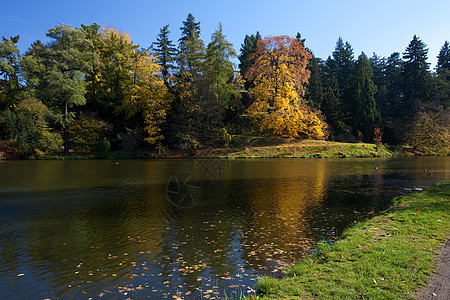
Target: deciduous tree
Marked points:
280	77
67	58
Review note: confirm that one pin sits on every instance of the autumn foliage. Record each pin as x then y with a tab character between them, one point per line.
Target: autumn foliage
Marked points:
280	76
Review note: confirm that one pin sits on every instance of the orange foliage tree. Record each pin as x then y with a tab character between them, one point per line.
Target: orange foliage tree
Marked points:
280	76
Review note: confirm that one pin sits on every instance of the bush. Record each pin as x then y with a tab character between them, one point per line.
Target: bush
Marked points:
102	149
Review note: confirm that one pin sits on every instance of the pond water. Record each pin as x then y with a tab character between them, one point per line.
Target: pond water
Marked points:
190	229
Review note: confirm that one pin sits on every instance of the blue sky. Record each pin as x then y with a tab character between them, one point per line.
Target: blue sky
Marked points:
383	26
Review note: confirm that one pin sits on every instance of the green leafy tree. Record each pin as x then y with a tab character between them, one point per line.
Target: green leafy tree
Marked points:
10	72
364	114
165	52
430	133
219	54
66	60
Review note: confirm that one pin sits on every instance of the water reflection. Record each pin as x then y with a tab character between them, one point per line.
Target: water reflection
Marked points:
77	229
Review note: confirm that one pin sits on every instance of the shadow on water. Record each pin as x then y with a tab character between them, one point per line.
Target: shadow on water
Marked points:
159	229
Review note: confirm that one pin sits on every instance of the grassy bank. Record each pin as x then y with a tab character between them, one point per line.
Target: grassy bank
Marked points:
387	257
284	148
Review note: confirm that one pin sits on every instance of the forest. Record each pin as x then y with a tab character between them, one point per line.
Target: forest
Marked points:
92	90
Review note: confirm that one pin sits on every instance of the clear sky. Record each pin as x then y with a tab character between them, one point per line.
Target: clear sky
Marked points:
383	26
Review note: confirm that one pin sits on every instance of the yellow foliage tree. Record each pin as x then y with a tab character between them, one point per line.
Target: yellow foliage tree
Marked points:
147	94
280	76
130	81
431	132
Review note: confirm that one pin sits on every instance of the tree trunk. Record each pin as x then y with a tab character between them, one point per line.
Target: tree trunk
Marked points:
66	131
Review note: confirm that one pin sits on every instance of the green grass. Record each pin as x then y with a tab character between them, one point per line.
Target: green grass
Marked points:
254	147
387	257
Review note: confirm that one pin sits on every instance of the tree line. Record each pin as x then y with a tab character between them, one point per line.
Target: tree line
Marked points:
92	88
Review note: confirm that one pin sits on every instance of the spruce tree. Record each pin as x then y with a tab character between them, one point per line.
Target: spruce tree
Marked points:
165	51
190	28
444	57
246	57
341	66
314	92
364	113
416	77
443	78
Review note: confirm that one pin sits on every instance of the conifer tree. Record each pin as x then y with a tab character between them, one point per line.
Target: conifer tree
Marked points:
166	52
246	57
416	77
314	91
364	114
444	57
218	57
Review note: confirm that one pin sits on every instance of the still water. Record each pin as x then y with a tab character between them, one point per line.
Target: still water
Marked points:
186	229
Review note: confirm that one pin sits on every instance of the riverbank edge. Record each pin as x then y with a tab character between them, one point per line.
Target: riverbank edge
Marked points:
391	256
254	148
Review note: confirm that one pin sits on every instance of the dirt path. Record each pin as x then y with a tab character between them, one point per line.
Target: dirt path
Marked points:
438	288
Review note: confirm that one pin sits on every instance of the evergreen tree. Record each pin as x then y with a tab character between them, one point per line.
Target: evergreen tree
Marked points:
364	114
343	63
218	57
341	66
314	92
246	57
190	29
192	48
165	51
444	57
331	107
443	76
416	77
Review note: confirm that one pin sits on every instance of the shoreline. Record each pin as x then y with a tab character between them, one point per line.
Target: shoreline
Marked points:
253	148
391	256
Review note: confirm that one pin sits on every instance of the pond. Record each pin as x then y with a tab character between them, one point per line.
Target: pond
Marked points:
186	229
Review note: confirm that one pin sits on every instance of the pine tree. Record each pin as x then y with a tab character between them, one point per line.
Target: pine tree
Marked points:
165	51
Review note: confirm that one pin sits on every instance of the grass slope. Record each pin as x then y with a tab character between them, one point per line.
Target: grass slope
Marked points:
284	148
388	257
